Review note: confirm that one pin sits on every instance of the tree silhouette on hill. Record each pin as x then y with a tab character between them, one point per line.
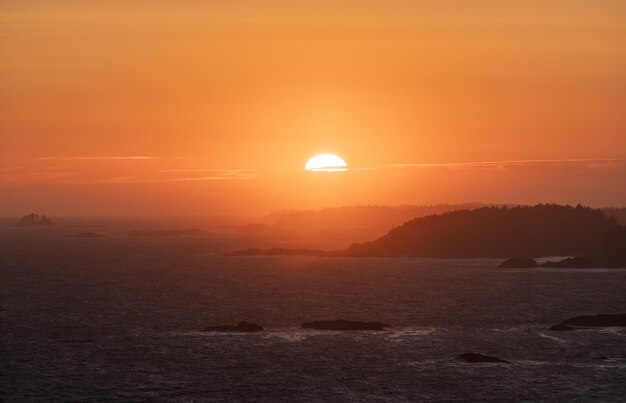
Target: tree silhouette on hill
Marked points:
541	230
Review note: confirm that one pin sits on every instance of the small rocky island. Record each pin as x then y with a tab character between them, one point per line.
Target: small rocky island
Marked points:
35	220
241	327
591	321
341	324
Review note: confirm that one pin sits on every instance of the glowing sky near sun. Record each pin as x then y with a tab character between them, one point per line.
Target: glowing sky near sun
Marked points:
223	103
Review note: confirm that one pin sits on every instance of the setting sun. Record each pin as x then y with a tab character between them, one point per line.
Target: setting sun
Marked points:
326	163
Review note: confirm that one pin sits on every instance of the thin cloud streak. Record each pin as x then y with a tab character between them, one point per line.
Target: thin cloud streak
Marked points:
489	164
21	175
205	170
130	157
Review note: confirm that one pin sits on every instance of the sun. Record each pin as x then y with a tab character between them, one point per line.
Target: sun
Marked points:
326	163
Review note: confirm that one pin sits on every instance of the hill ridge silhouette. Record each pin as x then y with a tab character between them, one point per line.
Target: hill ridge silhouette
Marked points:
539	230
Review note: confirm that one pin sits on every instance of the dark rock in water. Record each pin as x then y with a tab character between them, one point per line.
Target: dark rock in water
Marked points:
87	235
613	253
585	262
602	357
243	327
341	324
475	358
519	263
603	320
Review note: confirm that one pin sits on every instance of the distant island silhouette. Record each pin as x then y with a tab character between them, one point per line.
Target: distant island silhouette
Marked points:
368	216
540	230
35	220
488	232
359	216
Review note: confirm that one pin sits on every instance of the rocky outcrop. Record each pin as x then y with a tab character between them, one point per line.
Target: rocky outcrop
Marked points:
613	253
242	327
35	220
479	358
585	262
519	263
587	321
342	324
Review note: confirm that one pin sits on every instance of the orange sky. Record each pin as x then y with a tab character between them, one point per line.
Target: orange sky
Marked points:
228	99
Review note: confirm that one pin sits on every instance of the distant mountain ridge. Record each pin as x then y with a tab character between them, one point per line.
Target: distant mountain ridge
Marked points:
541	230
382	216
359	216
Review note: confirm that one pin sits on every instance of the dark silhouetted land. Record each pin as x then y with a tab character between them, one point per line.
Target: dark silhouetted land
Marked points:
358	216
541	230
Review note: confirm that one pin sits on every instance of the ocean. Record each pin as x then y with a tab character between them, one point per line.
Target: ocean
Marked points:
121	318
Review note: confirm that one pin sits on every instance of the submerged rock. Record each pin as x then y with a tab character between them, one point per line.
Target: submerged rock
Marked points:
603	320
342	324
519	263
242	327
477	358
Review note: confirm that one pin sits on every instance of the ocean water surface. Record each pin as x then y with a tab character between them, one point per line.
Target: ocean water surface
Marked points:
121	318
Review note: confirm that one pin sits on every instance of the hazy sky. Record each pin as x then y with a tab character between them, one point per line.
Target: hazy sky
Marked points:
220	104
